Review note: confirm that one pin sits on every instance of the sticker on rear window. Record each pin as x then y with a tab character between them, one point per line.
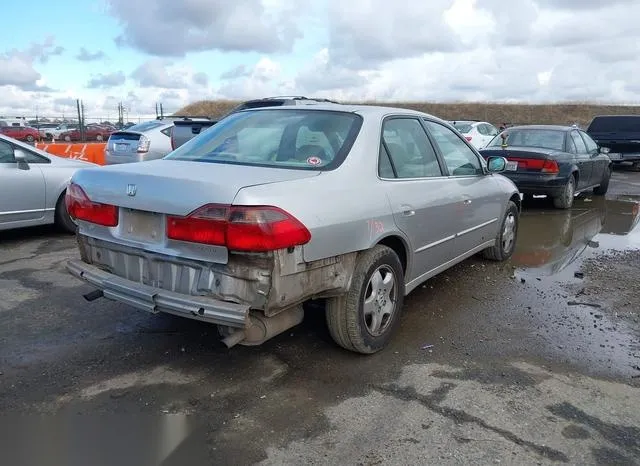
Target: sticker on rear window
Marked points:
314	160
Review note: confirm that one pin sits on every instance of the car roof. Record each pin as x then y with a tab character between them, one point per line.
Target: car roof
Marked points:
547	127
364	110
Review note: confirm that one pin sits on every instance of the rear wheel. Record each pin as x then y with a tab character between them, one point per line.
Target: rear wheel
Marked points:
604	184
507	236
565	200
63	220
99	137
30	138
67	138
364	319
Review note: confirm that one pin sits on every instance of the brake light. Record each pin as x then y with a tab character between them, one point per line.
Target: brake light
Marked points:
239	228
143	144
80	207
544	165
468	138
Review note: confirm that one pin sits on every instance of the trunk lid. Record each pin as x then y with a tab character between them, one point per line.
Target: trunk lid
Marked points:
176	187
123	143
521	159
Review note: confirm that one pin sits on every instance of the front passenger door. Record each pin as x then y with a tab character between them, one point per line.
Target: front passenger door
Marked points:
22	189
599	162
481	215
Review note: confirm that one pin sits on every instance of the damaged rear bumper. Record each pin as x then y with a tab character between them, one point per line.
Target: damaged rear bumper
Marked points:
156	300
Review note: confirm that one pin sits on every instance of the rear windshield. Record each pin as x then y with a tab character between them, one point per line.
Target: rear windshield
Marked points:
540	138
286	138
146	126
462	127
615	124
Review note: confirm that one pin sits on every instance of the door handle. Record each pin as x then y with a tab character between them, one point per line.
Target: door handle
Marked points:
407	211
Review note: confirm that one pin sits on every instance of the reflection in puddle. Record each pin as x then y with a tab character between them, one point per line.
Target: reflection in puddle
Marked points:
550	240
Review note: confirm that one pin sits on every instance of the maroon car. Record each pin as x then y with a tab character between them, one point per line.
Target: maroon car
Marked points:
91	133
21	133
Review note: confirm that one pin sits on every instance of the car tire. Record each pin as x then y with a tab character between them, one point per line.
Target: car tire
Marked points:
30	139
565	200
377	285
604	184
62	219
99	137
507	235
67	138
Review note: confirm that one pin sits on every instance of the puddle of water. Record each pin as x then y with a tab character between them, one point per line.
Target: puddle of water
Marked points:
550	242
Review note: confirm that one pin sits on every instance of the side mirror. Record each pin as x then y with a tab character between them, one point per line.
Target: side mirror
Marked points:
604	150
496	164
21	159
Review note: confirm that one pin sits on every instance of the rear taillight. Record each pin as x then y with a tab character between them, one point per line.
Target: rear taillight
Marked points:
239	228
544	165
173	141
468	138
80	207
550	166
143	144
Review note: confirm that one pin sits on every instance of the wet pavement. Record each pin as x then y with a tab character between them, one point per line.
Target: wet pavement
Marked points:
534	361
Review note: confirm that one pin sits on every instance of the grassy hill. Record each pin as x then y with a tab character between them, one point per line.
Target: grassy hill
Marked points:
567	113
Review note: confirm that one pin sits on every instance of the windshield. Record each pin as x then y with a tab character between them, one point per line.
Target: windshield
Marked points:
615	124
462	127
291	138
540	138
146	126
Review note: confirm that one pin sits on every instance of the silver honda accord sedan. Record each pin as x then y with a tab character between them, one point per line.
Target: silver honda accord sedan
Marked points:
270	208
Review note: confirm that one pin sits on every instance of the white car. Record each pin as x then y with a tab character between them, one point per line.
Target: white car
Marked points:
478	133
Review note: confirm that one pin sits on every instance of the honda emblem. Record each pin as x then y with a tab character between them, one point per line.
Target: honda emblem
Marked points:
131	189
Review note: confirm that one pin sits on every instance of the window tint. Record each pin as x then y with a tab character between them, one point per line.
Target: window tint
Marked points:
459	158
408	150
590	143
30	157
482	129
286	138
616	124
491	129
577	140
543	138
6	153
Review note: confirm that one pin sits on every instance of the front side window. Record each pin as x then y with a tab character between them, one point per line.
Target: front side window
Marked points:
286	138
577	140
405	151
460	159
590	143
6	153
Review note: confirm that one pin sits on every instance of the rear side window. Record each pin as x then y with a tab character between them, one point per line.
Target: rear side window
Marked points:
285	138
405	151
615	124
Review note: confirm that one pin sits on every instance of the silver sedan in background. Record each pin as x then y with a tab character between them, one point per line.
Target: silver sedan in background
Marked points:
32	186
273	207
145	141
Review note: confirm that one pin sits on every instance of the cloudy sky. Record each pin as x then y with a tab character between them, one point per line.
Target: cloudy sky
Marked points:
178	51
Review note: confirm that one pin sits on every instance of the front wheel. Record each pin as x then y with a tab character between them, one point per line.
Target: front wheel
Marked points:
99	137
507	236
63	219
30	139
364	319
604	184
67	138
565	199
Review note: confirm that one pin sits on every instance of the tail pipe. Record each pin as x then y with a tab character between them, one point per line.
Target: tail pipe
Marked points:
262	328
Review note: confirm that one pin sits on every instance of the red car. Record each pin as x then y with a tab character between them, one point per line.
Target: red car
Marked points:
91	133
21	133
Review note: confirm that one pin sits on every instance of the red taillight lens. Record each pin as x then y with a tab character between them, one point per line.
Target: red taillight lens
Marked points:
80	207
468	138
240	228
550	166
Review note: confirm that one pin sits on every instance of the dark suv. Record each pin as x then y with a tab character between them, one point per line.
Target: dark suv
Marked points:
186	129
620	134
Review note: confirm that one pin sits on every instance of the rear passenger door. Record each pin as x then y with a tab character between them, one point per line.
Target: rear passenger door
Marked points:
480	214
583	160
599	162
422	199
